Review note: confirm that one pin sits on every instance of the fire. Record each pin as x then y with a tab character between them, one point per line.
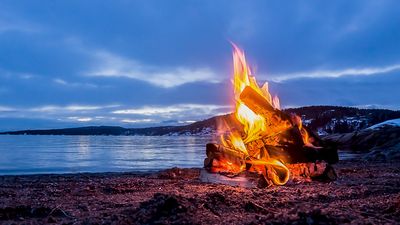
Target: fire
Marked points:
255	126
261	139
234	140
253	123
304	134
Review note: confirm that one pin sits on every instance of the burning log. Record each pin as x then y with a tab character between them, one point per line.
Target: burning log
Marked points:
218	156
261	106
223	159
267	141
319	170
289	143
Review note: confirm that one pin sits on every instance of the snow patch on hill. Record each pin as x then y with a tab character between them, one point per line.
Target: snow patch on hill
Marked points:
393	123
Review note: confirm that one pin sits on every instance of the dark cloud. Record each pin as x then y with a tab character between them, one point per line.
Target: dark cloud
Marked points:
377	90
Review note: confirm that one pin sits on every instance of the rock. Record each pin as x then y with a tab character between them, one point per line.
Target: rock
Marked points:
378	144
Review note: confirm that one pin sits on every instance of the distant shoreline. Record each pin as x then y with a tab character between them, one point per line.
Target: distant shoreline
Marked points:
320	119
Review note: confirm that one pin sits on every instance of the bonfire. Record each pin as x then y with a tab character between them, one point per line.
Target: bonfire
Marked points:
261	139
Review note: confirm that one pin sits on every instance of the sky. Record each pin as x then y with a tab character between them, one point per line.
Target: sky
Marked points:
154	62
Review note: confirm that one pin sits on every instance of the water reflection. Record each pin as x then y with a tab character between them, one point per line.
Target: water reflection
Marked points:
65	154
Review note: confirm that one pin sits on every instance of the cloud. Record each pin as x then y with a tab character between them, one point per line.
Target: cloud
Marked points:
20	75
106	114
336	73
379	89
54	109
137	120
154	60
111	65
69	108
6	109
173	109
80	119
73	84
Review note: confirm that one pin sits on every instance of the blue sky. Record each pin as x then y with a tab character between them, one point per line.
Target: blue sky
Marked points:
146	63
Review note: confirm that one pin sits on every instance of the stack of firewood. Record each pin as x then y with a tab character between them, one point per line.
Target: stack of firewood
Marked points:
303	152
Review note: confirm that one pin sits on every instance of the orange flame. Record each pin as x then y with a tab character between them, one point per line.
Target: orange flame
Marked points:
280	173
235	141
254	125
304	134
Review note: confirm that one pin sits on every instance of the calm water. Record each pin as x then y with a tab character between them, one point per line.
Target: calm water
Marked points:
26	154
70	154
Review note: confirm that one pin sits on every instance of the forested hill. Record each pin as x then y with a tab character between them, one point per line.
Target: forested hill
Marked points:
321	119
337	119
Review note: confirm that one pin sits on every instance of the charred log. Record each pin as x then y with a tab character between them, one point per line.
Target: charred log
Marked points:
232	163
224	159
287	142
319	170
299	172
261	106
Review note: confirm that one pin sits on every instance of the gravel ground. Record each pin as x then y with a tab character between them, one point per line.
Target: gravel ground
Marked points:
366	192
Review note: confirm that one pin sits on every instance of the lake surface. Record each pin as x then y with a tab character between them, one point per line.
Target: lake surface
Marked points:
33	154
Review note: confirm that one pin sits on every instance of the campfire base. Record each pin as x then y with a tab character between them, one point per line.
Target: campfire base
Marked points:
299	173
244	179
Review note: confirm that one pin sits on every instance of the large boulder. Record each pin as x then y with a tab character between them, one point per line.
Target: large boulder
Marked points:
379	142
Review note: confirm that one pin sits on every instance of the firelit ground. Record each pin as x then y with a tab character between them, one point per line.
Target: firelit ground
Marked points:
364	193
